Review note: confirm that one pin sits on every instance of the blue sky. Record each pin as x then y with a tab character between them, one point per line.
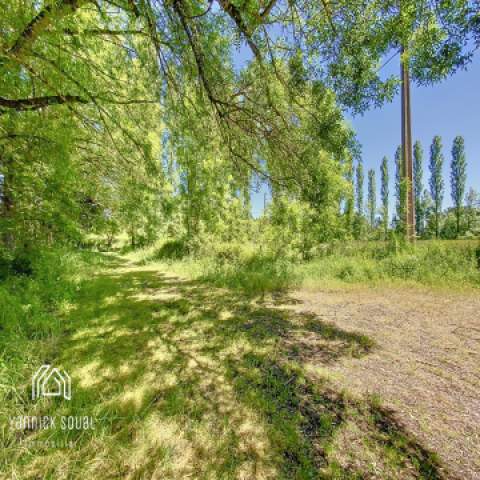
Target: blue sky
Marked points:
447	109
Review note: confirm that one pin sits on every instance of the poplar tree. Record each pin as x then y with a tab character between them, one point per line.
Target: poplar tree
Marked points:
372	198
436	180
458	177
399	191
384	192
359	188
418	185
359	220
473	203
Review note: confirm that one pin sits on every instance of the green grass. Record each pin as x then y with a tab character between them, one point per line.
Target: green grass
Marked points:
433	263
185	380
241	267
255	271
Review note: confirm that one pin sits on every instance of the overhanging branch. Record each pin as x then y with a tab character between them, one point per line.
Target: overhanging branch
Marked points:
41	22
35	103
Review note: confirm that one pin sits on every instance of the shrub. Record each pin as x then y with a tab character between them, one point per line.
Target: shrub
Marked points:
172	250
252	272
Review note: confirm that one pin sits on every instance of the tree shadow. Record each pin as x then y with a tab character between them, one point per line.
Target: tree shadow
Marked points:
189	381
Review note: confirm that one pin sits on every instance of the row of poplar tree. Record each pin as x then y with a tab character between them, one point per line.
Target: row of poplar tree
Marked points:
431	219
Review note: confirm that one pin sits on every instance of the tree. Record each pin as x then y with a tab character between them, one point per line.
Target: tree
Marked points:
349	208
372	198
359	221
436	180
399	192
85	81
472	208
458	177
434	39
385	193
359	198
418	186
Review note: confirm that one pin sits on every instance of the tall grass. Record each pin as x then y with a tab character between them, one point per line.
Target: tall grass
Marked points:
432	263
259	270
34	293
245	267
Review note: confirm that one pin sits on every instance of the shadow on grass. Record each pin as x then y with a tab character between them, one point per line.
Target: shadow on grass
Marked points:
188	381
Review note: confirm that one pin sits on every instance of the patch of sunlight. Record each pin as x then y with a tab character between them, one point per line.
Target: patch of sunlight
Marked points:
89	332
225	315
239	347
354	443
159	435
157	295
135	395
243	438
169	379
66	307
88	374
160	352
249	470
121	332
53	461
110	300
125	369
318	371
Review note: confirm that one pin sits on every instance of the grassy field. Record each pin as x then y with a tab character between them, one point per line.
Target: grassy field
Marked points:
187	380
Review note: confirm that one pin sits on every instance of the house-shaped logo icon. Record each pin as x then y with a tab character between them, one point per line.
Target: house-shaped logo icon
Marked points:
49	381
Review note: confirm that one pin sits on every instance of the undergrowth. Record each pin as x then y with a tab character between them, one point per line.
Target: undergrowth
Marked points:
35	293
262	269
432	263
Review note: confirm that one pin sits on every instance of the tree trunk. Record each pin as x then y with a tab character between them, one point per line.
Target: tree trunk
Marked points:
7	199
458	222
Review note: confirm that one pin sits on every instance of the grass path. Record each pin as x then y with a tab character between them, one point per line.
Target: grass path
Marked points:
189	382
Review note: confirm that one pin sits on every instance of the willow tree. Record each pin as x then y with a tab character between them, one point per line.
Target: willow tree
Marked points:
104	67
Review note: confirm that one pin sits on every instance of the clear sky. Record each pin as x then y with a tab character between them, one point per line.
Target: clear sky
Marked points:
447	109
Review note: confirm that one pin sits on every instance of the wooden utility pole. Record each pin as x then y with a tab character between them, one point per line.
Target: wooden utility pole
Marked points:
407	158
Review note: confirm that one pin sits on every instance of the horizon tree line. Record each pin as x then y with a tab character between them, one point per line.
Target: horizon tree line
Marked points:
429	213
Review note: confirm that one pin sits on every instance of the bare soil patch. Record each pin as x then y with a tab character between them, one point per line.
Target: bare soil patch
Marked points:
424	366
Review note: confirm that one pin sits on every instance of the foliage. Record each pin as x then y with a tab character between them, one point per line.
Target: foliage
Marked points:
436	180
400	193
32	313
458	177
385	196
452	265
418	186
372	198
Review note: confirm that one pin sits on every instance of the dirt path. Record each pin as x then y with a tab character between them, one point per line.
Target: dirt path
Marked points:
425	365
